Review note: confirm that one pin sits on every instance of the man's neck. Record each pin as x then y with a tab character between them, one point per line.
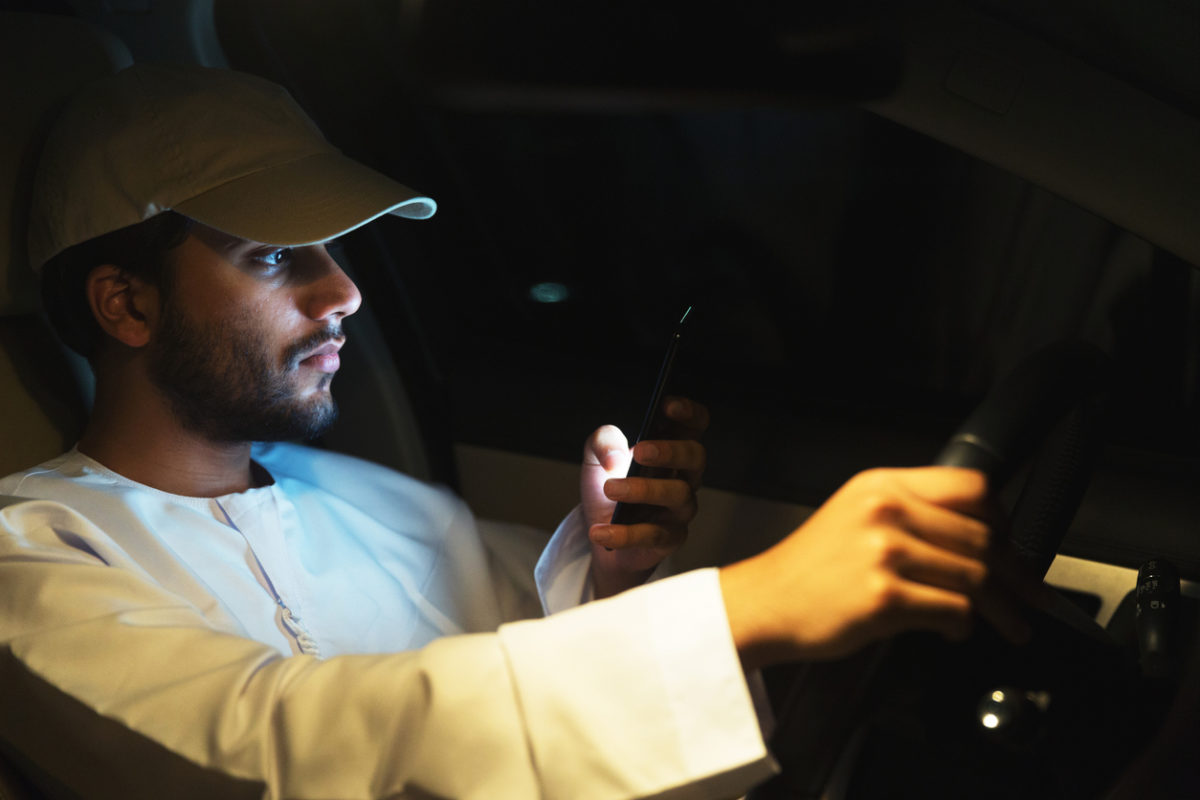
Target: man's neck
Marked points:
136	435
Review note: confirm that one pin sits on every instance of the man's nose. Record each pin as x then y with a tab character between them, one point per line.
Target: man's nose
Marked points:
332	295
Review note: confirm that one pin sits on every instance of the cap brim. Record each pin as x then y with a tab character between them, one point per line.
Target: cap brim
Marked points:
309	200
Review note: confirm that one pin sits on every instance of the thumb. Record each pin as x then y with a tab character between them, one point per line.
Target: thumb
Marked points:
608	449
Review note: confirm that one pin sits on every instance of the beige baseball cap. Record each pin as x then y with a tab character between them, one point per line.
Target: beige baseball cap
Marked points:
232	151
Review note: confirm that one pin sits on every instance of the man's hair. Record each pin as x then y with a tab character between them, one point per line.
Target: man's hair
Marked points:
140	250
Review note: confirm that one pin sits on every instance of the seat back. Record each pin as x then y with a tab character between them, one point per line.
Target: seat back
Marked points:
44	391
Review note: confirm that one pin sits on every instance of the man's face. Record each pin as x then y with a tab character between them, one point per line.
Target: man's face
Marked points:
247	339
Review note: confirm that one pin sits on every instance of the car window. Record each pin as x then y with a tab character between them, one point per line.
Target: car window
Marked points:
840	267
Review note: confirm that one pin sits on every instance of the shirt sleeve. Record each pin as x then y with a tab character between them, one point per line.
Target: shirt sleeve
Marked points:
678	704
563	572
113	686
563	577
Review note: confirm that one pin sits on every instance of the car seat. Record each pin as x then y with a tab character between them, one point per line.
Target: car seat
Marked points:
44	391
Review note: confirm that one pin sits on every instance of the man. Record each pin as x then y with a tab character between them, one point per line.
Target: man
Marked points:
184	614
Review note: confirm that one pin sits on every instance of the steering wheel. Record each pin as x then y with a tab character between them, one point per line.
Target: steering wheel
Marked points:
921	717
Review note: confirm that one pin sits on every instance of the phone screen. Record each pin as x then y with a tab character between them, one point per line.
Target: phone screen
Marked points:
654	425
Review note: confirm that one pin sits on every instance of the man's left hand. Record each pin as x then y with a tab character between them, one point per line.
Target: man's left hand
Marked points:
624	555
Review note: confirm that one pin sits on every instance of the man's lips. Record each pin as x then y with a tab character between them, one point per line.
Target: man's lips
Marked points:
325	358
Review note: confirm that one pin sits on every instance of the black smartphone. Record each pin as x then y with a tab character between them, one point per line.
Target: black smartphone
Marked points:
654	425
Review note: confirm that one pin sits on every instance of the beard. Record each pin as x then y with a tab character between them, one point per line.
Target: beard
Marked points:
223	384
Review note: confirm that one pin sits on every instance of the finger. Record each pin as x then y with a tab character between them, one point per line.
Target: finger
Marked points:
955	488
675	517
670	516
918	606
686	455
690	417
941	527
924	563
607	448
641	535
664	492
931	566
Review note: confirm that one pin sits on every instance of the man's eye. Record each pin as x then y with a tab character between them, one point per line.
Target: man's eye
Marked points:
275	257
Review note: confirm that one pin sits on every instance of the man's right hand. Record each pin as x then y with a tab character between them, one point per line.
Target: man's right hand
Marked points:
892	550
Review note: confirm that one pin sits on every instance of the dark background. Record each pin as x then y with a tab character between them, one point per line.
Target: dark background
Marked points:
858	286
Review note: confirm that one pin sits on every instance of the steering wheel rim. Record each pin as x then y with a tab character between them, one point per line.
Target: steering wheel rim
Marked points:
1048	411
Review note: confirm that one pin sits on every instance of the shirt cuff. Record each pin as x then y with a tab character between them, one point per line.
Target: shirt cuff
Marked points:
564	571
650	688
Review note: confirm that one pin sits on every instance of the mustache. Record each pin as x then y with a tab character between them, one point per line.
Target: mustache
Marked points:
297	351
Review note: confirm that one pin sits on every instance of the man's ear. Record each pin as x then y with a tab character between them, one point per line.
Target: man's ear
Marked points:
124	305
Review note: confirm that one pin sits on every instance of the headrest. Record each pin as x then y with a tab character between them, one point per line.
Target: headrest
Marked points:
44	60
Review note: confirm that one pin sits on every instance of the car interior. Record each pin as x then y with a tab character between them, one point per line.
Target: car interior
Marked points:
909	233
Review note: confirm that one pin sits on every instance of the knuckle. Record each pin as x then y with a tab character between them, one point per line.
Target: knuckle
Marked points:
648	492
651	492
864	481
878	479
678	492
680	454
671	492
653	536
883	507
884	594
638	534
885	548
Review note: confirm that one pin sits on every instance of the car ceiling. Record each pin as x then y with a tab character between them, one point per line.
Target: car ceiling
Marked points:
1152	44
